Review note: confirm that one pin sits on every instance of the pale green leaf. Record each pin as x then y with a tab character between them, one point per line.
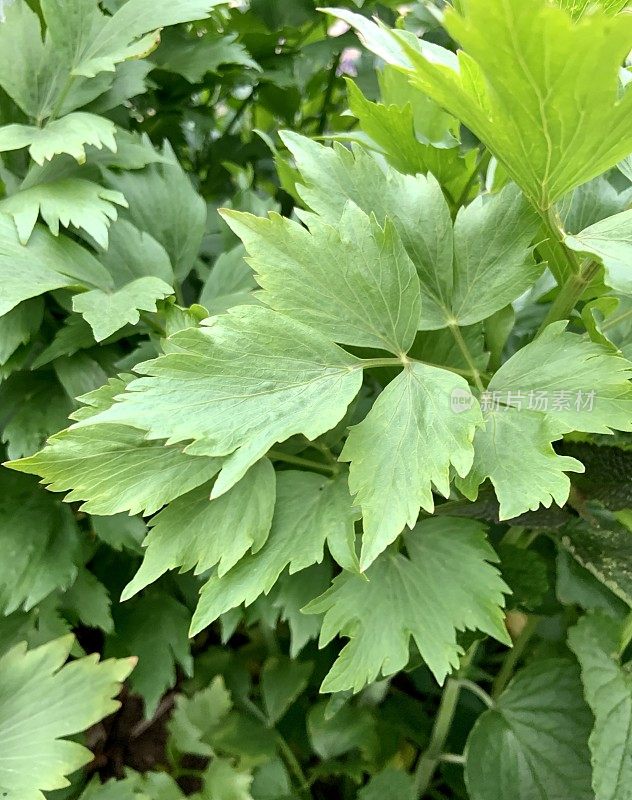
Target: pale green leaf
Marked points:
577	8
70	134
405	447
224	781
195	532
69	201
580	385
309	511
467	272
231	282
113	468
248	379
610	240
514	450
108	312
132	254
533	745
539	90
391	131
354	282
444	584
35	713
47	263
596	641
96	42
163	202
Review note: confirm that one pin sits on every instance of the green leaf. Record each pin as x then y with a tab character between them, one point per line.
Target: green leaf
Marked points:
514	450
69	135
196	718
231	282
224	781
163	203
540	91
577	8
586	387
108	312
610	240
606	552
246	380
352	727
596	641
99	42
576	585
405	446
132	253
353	282
194	531
35	713
88	601
467	272
389	784
282	681
47	263
66	202
445	584
194	57
113	468
39	540
533	744
158	645
309	510
18	326
391	131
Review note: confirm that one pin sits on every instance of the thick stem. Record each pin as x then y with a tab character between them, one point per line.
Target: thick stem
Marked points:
570	293
443	722
331	82
513	657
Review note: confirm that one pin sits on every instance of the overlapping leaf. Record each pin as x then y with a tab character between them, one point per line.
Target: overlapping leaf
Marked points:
596	641
445	584
405	447
544	98
310	510
35	713
467	272
533	743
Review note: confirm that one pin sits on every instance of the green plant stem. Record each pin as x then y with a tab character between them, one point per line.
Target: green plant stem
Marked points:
475	689
372	363
331	82
430	759
293	765
476	375
513	657
328	469
284	748
482	162
570	293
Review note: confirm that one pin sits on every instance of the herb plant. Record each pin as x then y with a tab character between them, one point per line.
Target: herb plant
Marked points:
315	400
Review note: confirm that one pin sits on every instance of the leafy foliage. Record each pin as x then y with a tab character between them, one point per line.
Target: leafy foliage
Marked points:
323	362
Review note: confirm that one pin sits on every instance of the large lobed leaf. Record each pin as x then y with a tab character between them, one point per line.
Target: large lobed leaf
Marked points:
42	701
